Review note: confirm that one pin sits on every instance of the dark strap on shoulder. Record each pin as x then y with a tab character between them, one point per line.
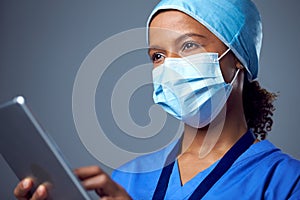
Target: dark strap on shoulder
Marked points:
163	182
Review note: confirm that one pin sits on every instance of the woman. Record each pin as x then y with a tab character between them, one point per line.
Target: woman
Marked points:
205	56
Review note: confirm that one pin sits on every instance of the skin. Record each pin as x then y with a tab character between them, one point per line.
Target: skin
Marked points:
166	41
178	35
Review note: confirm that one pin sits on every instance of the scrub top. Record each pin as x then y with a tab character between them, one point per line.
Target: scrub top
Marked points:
262	172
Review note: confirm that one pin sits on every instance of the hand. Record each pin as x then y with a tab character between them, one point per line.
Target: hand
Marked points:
21	191
93	178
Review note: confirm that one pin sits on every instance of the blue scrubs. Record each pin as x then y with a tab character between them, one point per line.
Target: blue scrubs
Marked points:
262	172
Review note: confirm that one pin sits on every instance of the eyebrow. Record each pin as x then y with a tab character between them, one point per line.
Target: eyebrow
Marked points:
156	47
179	39
187	35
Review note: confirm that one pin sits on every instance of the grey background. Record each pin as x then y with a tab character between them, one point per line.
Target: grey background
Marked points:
42	44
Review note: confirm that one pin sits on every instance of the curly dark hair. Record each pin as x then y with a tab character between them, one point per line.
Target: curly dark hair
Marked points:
258	108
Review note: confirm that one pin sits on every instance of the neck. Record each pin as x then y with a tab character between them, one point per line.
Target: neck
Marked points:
213	141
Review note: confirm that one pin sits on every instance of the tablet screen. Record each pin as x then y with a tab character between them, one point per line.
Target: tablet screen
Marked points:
30	152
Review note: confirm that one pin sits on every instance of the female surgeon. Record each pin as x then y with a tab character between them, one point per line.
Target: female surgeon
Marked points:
205	55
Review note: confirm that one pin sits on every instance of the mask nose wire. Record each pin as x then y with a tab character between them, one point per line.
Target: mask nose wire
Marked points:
224	54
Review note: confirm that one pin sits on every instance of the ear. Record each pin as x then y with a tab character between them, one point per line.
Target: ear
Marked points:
238	64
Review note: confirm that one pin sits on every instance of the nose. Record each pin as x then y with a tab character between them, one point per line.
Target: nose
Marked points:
172	54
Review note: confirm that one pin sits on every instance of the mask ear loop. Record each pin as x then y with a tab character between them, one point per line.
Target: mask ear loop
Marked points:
238	70
224	54
236	74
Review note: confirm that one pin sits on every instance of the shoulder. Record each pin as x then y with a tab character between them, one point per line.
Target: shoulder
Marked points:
278	173
269	159
262	172
148	162
283	172
273	156
140	176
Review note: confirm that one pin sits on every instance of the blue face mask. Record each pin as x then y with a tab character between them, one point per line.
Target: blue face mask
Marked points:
192	88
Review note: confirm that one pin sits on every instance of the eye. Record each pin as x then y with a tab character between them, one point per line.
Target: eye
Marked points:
157	57
188	46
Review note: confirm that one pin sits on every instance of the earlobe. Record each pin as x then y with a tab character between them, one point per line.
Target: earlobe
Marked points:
239	65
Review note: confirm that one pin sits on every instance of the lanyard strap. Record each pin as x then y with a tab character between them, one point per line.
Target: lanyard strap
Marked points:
224	164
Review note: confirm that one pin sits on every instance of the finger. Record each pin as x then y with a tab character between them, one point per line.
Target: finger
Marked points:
93	178
114	191
87	172
40	193
103	185
95	182
106	198
22	189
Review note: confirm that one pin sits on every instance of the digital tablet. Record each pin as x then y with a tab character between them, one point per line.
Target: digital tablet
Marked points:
30	152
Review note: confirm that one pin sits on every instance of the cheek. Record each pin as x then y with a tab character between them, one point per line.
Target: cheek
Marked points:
228	68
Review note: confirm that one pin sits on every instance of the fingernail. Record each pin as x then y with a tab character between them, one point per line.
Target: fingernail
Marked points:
40	190
26	184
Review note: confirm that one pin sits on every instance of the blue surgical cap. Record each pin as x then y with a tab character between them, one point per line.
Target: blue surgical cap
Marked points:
236	23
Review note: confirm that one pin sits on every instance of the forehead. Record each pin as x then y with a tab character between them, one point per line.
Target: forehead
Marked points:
168	23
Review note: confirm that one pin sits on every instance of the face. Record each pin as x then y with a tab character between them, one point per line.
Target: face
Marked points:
175	34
